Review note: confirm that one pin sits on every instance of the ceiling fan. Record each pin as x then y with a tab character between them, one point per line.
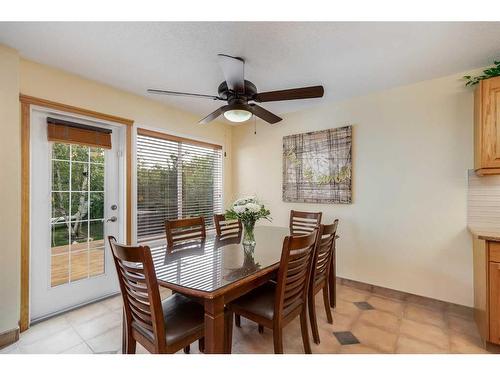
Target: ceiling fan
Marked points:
238	92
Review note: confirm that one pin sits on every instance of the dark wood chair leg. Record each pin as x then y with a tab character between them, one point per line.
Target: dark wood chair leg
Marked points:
130	344
312	317
228	332
305	335
187	349
326	301
332	281
124	334
237	320
201	345
278	340
261	328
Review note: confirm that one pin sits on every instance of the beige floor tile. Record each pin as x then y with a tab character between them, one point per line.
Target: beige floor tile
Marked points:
425	315
347	308
82	348
407	345
110	341
139	350
86	313
341	322
11	349
98	325
380	319
351	295
328	344
463	325
425	332
387	304
460	343
375	337
247	340
114	303
44	330
52	344
358	349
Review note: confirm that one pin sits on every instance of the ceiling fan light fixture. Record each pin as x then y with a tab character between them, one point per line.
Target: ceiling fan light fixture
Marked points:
237	115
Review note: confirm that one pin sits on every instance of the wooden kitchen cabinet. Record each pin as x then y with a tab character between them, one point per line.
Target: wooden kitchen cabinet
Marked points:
487	289
487	127
494	300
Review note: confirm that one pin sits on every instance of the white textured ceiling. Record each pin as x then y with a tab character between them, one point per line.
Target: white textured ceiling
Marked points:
348	59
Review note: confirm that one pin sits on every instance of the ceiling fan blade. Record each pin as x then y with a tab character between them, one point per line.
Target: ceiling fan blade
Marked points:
290	94
212	116
264	114
177	93
233	69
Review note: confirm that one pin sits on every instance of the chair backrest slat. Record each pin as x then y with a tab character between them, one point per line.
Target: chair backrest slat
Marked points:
225	227
294	272
185	230
324	251
139	288
302	223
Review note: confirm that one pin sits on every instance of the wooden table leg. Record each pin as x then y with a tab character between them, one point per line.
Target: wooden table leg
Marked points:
214	326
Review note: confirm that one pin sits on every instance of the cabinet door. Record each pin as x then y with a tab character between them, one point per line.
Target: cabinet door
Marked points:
490	122
494	285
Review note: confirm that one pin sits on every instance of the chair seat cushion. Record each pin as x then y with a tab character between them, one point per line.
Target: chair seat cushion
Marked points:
182	317
259	301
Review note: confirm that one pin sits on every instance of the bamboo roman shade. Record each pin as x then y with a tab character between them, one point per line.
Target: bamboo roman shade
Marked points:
176	178
72	132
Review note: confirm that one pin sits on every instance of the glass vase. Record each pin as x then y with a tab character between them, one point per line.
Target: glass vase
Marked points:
248	236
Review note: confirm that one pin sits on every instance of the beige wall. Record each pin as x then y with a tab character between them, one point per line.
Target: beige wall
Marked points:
53	84
412	146
29	78
10	183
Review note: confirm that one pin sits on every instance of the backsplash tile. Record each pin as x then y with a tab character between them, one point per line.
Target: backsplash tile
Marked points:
483	201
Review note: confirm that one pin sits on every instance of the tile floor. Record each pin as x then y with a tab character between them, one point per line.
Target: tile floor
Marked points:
365	322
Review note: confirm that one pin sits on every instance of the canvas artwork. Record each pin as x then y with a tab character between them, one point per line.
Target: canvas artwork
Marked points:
317	166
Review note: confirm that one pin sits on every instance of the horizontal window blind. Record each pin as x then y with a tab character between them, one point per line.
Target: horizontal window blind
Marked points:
176	178
71	132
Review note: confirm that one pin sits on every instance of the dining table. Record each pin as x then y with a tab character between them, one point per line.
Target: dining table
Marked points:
217	270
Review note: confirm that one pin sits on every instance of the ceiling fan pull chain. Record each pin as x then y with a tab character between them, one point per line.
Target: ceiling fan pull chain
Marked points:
254	125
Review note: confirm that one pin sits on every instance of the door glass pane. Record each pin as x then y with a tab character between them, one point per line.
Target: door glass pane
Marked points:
60	175
77	214
60	151
79	176
96	206
60	207
79	153
97	177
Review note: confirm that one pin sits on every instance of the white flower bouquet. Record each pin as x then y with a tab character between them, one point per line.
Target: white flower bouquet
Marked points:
248	210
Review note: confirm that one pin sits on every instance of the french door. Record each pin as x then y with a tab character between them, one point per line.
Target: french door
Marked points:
75	205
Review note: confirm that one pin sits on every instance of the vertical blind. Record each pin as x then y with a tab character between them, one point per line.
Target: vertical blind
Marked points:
176	178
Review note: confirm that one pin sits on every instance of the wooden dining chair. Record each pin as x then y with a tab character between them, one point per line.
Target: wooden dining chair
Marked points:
159	326
320	274
275	304
225	227
304	222
184	230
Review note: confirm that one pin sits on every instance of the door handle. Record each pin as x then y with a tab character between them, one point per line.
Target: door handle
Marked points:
112	219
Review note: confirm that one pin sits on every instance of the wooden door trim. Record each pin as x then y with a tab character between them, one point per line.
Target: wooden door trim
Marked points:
26	103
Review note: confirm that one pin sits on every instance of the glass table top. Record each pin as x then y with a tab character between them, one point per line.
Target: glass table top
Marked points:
217	262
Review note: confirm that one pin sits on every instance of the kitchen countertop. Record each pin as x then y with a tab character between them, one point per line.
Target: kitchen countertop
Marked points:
487	234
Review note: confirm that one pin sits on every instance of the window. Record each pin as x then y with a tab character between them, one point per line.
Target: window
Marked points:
77	221
176	178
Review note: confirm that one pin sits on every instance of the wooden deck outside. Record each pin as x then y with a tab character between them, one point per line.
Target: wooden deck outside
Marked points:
84	263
